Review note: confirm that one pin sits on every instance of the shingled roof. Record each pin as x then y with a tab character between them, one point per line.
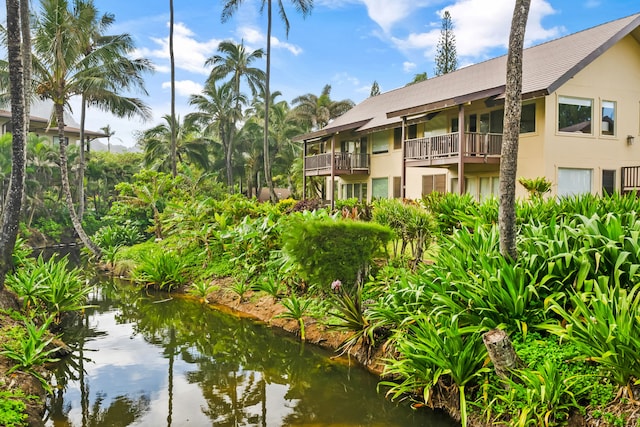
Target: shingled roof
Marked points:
545	68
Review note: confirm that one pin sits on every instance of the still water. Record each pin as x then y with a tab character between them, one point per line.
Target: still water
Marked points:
148	360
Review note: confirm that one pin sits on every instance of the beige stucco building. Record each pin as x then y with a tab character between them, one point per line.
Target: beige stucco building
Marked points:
580	125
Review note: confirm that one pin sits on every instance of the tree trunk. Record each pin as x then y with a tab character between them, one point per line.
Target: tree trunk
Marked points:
512	112
82	165
174	149
64	173
267	100
13	203
501	352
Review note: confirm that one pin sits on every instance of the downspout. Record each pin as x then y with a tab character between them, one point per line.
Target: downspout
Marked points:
403	175
333	171
461	143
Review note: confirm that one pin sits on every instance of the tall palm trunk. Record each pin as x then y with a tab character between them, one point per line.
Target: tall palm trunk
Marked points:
174	160
267	100
82	163
512	113
66	189
13	203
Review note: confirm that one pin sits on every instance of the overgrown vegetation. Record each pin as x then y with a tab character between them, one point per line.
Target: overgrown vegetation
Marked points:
570	302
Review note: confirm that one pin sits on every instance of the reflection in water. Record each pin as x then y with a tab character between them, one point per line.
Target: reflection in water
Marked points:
145	360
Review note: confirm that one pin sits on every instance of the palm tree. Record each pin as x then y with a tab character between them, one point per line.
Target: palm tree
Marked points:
191	148
109	132
283	126
512	112
172	61
234	60
317	111
64	68
11	212
218	112
302	6
122	74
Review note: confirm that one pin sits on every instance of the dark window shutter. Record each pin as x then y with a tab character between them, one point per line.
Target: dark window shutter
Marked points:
397	187
608	181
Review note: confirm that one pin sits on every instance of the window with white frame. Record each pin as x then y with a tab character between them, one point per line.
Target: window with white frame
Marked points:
379	143
608	118
575	114
574	181
356	190
379	188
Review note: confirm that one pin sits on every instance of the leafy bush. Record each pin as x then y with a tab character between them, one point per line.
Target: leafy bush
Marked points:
412	225
32	351
436	350
603	324
50	286
163	270
326	249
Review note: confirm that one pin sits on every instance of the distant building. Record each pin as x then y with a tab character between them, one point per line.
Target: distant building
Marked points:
40	124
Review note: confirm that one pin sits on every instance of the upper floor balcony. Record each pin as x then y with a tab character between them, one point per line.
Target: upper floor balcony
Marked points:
445	149
343	164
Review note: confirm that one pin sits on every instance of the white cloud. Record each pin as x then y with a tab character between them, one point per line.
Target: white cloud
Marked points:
386	13
190	54
345	78
255	37
409	67
185	87
479	27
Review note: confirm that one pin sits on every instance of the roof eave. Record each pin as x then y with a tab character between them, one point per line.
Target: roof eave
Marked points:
447	103
628	29
330	131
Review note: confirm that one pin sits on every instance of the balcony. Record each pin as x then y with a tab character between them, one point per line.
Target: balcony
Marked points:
445	149
630	179
344	164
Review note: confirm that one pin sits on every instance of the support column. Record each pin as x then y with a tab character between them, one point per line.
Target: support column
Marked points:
304	170
333	172
403	175
461	144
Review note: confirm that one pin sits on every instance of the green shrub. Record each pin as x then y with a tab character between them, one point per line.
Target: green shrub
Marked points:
12	408
162	270
412	225
50	286
432	349
326	249
603	324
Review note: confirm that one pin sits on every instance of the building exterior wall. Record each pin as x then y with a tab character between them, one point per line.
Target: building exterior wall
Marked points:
614	76
546	152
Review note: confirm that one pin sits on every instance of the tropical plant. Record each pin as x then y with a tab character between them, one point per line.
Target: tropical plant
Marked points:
542	397
348	310
191	146
601	323
234	60
434	351
302	6
536	187
296	309
32	351
201	289
412	225
315	112
63	68
163	270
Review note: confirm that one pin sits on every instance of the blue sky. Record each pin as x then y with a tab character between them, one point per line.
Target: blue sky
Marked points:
345	43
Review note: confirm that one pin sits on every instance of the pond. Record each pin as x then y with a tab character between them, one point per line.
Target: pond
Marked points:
144	359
